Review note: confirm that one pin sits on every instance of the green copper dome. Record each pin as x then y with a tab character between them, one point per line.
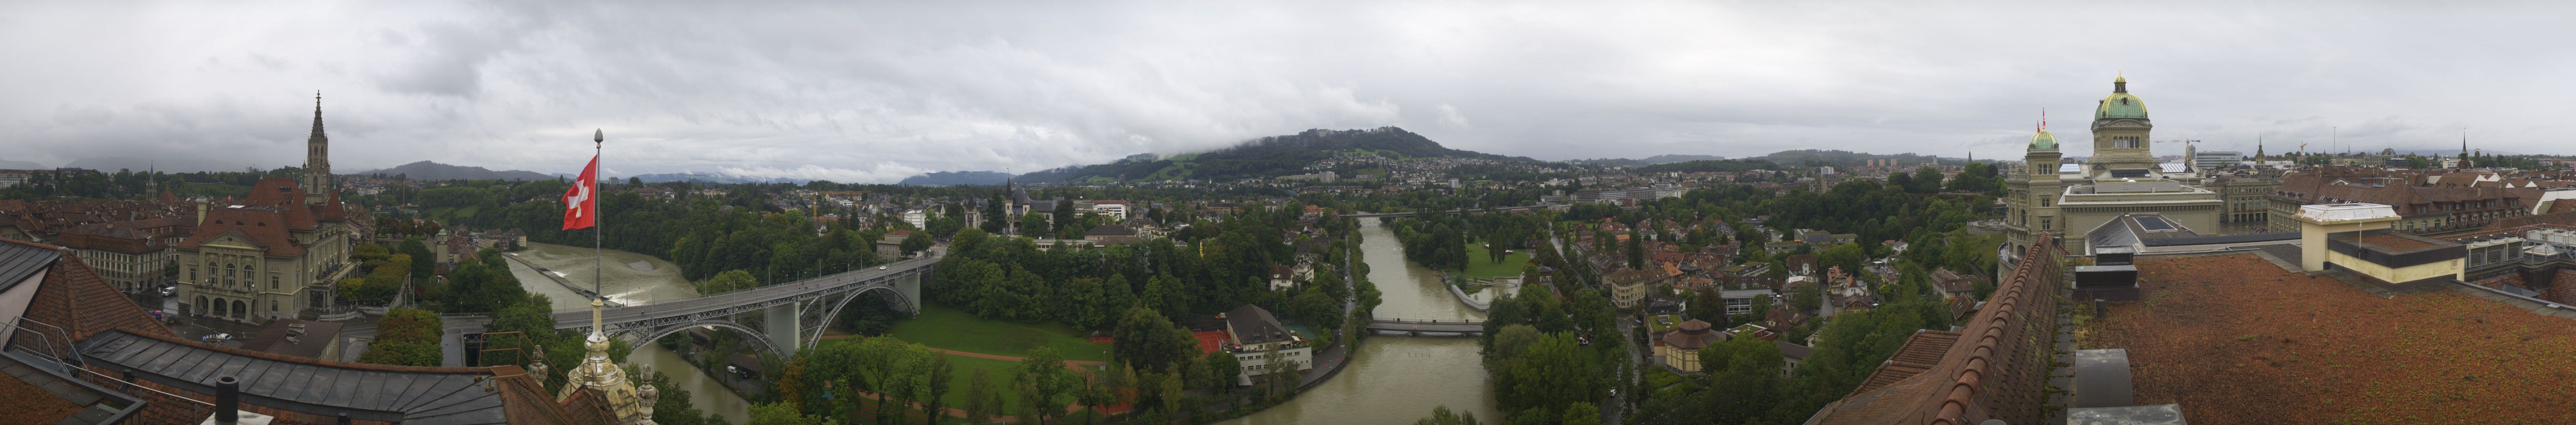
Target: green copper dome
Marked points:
2121	104
2043	140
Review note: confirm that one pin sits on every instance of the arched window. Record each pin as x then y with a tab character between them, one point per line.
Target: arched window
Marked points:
219	308
239	308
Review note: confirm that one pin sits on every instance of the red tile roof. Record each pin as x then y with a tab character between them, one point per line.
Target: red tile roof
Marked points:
1995	368
74	298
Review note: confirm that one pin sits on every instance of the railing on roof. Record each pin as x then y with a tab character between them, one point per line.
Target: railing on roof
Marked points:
57	344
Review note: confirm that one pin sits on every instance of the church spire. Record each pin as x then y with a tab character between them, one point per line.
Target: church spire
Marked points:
317	159
317	117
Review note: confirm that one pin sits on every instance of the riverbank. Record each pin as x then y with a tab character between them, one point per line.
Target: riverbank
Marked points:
1384	379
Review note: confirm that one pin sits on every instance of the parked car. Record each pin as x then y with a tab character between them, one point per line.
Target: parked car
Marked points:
169	290
881	267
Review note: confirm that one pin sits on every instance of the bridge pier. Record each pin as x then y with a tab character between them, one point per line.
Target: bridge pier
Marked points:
783	326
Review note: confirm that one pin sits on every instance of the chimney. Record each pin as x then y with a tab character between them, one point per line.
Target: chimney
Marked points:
227	400
201	212
228	405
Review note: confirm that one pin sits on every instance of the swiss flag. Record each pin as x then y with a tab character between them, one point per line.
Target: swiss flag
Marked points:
581	202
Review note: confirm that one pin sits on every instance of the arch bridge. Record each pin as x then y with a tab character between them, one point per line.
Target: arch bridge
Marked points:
793	314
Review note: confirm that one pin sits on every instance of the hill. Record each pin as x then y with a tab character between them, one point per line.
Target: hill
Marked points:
1651	160
1710	166
170	164
1843	158
426	170
955	178
711	178
1265	157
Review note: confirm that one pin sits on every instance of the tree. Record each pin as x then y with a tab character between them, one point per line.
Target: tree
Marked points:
406	336
879	363
935	385
1552	373
1636	250
423	261
1092	394
915	243
979	392
1225	367
1042	382
1317	308
1442	416
730	280
783	413
1582	413
1145	339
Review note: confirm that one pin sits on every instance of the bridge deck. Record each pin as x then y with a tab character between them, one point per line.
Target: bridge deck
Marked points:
574	319
1401	325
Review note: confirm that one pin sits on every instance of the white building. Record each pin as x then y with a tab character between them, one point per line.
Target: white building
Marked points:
1257	341
2212	160
920	219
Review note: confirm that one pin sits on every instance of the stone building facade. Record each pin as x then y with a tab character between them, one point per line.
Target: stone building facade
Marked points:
273	254
2122	177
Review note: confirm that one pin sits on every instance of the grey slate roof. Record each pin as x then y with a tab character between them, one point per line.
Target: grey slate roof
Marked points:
408	397
1253	325
19	261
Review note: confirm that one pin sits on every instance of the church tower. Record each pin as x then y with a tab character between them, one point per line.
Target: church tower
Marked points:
317	160
2120	128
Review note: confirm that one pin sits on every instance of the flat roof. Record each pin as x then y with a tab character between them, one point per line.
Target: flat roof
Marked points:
2236	337
2346	212
368	392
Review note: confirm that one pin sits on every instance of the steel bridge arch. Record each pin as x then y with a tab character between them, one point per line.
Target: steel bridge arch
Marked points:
648	335
899	301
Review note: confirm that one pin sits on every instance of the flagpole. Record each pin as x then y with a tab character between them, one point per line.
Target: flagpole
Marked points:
596	229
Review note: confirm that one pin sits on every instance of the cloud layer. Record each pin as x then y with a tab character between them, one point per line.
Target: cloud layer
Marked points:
877	91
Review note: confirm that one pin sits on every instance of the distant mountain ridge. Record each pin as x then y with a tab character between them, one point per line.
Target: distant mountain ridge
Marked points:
1651	160
426	170
712	178
957	178
1265	157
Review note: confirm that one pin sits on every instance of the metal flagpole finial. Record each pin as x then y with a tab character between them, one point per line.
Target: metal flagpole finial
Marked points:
596	135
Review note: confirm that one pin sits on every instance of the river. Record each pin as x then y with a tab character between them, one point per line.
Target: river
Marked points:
626	281
1393	379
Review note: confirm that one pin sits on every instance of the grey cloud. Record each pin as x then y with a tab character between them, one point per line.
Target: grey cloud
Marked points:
875	91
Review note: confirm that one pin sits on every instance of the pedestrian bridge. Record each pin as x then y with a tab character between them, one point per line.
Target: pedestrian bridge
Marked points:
1427	327
793	313
1461	210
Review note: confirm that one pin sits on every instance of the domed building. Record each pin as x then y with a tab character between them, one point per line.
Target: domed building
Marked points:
2122	177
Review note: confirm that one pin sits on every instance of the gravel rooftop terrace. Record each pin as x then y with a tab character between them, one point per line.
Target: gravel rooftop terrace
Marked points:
2234	339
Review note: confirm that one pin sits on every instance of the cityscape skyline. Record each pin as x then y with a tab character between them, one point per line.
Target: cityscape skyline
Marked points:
876	93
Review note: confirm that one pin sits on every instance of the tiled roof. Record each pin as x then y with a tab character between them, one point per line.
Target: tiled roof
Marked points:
407	394
1994	368
21	259
75	299
1920	353
1251	325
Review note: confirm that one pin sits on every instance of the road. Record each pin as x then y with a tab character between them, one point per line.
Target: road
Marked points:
571	319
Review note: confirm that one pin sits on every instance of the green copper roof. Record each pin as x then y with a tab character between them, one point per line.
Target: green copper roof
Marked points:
2043	140
2121	105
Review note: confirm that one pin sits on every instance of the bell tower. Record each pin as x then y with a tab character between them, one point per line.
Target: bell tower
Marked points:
317	160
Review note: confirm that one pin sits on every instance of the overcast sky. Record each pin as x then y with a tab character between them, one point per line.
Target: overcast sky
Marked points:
875	92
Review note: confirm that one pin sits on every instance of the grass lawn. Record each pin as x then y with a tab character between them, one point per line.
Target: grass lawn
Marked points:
948	328
999	372
1480	266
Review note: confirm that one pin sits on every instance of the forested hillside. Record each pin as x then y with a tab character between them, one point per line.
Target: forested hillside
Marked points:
1267	157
